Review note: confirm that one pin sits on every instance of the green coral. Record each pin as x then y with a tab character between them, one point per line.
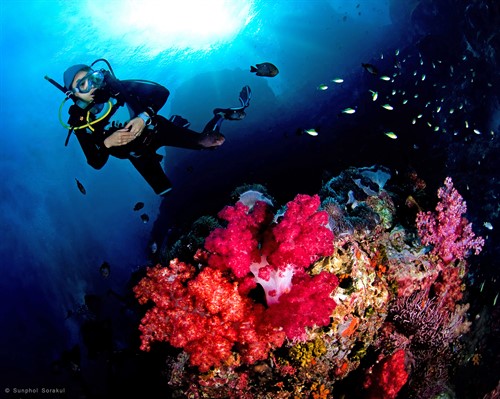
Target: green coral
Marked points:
304	353
385	208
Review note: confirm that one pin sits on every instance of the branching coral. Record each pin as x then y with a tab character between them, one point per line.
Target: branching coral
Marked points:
206	317
446	229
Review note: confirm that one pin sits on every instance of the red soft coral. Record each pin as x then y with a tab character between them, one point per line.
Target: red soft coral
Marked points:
447	229
387	377
308	304
206	317
209	317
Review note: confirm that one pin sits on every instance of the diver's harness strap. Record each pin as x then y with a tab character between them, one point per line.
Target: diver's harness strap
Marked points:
81	118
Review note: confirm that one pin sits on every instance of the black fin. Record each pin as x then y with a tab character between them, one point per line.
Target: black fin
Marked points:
245	96
253	69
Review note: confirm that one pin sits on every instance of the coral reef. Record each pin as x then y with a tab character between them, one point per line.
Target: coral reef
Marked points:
329	297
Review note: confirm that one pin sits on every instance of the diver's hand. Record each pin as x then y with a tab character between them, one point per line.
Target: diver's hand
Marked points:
118	138
131	131
135	126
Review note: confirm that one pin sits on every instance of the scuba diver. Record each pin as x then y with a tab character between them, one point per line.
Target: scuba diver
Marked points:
98	95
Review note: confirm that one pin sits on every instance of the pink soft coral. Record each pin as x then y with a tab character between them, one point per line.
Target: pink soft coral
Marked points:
447	229
236	246
272	253
301	237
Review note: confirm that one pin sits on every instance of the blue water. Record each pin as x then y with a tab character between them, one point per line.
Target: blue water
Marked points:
54	238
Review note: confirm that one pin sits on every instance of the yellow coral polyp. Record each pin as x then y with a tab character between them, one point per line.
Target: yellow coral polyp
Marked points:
305	353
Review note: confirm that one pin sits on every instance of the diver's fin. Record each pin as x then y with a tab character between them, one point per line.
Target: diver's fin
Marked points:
213	124
178	120
245	96
235	113
253	69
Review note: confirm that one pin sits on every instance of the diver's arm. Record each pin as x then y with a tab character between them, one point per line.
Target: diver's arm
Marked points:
96	154
144	97
140	96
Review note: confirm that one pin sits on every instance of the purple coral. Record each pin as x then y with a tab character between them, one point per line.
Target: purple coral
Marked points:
447	229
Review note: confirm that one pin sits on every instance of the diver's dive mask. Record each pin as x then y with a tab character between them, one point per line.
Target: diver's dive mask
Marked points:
92	80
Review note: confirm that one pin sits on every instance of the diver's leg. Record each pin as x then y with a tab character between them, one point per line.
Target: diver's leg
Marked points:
214	124
178	120
150	169
170	134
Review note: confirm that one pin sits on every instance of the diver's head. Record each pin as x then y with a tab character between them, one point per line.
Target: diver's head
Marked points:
83	81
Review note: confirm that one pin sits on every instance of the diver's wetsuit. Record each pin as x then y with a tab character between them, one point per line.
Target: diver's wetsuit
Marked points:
138	96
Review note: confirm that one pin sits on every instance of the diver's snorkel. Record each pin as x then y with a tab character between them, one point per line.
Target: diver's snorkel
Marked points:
68	95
